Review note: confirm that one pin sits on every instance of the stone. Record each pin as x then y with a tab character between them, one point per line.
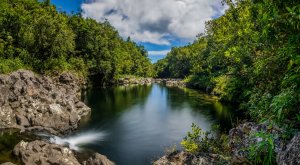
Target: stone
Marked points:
98	159
29	101
8	163
40	152
291	155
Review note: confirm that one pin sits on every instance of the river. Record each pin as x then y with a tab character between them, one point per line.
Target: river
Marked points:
140	122
134	125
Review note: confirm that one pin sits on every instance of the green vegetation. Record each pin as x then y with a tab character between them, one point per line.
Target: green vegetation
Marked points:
201	141
36	36
263	152
250	56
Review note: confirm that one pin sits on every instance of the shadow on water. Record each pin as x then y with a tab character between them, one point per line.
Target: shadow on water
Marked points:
141	121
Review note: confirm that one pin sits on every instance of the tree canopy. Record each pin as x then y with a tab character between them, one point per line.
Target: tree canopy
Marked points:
250	55
34	35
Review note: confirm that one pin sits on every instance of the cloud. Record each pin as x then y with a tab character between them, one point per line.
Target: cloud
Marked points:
155	21
158	53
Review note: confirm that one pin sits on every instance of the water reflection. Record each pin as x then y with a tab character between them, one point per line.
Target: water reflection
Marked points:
142	120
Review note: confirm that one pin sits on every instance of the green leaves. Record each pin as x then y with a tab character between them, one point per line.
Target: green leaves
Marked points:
46	40
262	151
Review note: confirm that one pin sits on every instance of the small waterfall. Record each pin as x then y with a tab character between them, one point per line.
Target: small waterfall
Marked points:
78	140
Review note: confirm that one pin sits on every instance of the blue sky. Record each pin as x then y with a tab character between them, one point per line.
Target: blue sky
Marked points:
158	25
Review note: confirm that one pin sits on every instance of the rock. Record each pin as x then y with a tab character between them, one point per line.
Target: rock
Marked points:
98	159
29	101
66	78
171	82
292	153
8	163
185	158
134	81
44	153
39	152
23	121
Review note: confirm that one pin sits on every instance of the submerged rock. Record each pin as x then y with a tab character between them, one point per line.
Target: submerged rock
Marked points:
29	101
185	158
292	153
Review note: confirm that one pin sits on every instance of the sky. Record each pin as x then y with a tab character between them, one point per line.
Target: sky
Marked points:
158	25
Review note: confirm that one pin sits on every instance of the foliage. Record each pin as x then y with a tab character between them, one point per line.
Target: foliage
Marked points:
201	141
9	65
37	35
263	152
249	55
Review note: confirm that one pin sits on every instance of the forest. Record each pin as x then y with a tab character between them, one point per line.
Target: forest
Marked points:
250	56
35	36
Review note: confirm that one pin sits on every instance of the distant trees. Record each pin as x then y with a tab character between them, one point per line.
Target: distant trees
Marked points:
44	40
250	55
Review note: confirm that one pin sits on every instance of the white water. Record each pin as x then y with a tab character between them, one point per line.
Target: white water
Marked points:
78	140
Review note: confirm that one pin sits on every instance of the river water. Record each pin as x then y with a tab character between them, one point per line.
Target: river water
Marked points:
140	122
134	125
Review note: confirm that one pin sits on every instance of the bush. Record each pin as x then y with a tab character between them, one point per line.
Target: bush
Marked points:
262	152
10	65
201	141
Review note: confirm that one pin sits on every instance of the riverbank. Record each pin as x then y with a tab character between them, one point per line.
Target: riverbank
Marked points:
38	103
142	81
248	143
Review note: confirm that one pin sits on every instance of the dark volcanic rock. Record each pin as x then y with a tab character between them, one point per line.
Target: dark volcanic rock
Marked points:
98	159
30	101
292	153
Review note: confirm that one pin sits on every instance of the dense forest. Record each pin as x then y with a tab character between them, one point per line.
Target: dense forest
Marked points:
35	36
251	56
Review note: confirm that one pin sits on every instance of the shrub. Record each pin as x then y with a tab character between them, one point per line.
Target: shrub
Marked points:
262	152
10	65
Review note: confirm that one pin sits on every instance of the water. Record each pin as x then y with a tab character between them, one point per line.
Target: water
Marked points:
134	125
142	121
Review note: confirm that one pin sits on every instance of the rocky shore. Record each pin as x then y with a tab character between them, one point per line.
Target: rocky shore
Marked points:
143	81
31	102
240	138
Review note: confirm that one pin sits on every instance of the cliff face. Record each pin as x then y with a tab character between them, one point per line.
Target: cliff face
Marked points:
34	102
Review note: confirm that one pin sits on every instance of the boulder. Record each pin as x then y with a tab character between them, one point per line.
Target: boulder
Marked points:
42	153
29	101
291	155
98	159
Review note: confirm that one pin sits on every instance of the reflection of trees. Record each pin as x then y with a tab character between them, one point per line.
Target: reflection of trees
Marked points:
110	102
203	103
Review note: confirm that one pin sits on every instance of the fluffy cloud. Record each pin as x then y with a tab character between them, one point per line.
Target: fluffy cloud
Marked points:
155	21
158	53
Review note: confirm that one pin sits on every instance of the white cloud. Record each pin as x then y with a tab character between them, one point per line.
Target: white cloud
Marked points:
155	21
157	53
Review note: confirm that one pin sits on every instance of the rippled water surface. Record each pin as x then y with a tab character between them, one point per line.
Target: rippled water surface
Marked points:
139	122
